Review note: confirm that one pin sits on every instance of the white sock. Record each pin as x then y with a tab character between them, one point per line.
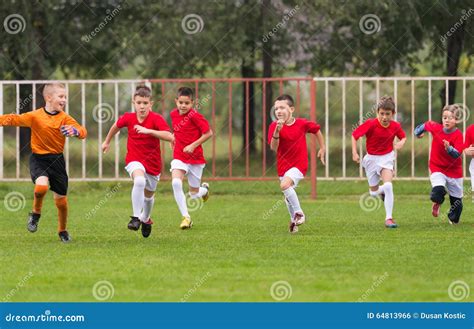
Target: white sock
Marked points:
292	198
147	207
179	196
290	209
138	195
202	192
388	190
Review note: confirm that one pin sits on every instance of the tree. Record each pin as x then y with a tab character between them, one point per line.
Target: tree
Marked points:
74	38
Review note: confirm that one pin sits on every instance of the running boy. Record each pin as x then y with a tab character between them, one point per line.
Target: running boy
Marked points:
191	130
379	161
143	159
469	150
287	137
50	126
445	162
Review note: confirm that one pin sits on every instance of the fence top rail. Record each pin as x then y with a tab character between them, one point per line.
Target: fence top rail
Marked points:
202	80
401	78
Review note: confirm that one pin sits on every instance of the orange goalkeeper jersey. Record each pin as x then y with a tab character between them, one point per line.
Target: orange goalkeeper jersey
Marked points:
46	136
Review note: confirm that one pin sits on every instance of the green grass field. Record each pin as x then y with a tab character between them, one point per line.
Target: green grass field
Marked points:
238	248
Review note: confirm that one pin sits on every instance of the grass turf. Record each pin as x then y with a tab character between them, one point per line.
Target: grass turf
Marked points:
238	248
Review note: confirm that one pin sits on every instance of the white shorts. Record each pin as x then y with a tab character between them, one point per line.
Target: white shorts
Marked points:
151	180
373	165
295	174
454	185
193	171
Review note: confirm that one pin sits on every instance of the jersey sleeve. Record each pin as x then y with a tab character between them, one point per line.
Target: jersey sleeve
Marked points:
122	121
161	124
458	142
19	120
400	133
200	121
271	130
431	126
362	129
71	121
312	127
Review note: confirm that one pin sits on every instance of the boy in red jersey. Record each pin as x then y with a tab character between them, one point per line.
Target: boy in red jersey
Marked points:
445	162
379	161
469	150
143	159
287	137
190	129
49	127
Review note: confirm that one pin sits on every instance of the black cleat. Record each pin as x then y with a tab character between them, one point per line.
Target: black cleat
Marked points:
64	236
33	220
146	228
382	196
134	223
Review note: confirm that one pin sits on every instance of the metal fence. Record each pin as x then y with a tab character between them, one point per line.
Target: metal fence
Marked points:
239	111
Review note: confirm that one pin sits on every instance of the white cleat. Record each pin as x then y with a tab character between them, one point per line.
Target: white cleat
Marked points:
299	218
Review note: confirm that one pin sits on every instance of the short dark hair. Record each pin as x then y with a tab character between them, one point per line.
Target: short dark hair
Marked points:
142	91
386	103
185	91
287	98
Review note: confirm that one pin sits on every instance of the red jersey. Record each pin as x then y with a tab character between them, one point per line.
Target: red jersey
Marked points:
140	147
469	141
440	160
292	150
379	139
188	128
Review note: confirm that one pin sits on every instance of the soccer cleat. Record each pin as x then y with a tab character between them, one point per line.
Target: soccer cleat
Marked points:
64	236
33	220
382	196
435	209
186	223
134	223
146	228
292	227
390	223
206	196
299	218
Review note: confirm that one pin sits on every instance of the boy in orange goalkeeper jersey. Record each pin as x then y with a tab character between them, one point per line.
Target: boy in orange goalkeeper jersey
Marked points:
50	126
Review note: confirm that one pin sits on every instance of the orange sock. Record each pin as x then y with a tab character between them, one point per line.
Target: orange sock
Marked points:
40	192
61	204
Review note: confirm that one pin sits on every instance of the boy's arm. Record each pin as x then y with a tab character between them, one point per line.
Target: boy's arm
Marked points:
360	131
355	153
275	136
454	150
398	145
419	130
469	151
322	147
19	120
204	137
161	134
72	128
112	132
402	138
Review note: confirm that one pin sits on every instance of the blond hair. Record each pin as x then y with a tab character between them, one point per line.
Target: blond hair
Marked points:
49	88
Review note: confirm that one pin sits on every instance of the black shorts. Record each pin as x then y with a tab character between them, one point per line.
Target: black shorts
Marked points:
53	167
